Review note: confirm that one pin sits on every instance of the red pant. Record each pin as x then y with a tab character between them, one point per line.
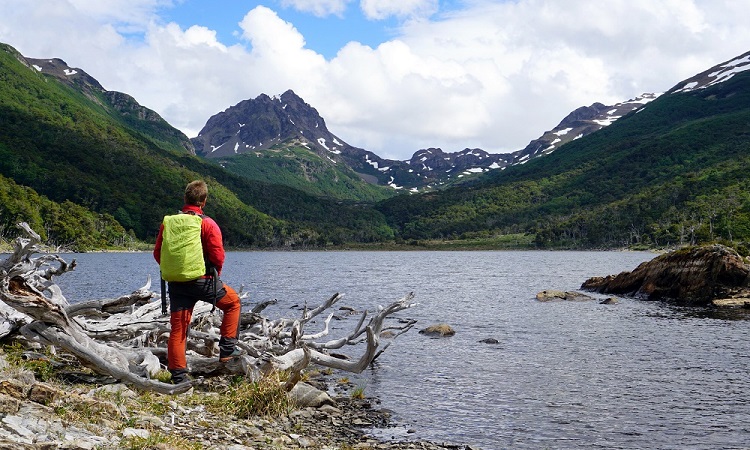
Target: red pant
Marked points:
229	304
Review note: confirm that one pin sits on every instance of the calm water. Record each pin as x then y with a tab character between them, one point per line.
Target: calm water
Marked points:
563	375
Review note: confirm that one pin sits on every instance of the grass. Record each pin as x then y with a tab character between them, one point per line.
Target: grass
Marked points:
500	242
358	393
155	440
117	410
41	364
245	398
518	241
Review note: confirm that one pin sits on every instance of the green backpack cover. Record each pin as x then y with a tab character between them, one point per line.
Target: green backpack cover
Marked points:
181	248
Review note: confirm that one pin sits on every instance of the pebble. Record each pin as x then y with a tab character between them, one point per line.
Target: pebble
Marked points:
36	426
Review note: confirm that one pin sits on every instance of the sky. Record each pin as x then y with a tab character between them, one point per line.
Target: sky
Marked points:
390	76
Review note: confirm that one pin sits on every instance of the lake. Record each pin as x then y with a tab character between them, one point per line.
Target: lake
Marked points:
562	375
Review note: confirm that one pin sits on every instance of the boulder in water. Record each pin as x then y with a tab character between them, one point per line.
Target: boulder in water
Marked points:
549	295
440	329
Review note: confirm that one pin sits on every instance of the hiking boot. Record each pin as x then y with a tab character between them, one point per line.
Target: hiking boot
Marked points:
179	377
235	353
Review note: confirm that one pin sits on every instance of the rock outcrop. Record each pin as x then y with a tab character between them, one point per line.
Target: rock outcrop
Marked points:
549	295
695	276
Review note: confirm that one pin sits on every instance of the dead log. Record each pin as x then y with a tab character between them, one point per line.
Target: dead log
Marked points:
125	337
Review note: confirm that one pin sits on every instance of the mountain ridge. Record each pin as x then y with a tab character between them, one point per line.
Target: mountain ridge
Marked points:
671	174
122	165
148	121
257	125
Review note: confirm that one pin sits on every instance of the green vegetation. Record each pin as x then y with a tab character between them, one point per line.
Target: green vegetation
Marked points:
674	173
62	225
87	148
245	398
299	167
40	364
92	169
358	393
159	440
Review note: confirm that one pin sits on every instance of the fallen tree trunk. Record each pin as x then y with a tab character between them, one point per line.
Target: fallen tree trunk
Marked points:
125	337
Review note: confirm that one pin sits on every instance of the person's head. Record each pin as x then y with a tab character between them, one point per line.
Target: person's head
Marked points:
196	193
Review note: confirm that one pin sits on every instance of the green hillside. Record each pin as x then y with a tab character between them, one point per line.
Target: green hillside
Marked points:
90	168
75	146
674	173
295	165
64	225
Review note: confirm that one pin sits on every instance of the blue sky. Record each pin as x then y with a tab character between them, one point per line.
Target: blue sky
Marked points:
390	76
326	35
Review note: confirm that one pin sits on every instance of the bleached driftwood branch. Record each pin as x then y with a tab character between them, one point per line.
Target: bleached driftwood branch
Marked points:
125	337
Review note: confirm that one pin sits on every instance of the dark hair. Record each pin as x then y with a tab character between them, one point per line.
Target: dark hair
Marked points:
196	192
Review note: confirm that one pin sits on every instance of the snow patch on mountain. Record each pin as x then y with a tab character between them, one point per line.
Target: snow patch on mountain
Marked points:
718	74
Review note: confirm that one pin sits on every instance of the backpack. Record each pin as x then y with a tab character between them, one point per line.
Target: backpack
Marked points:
182	249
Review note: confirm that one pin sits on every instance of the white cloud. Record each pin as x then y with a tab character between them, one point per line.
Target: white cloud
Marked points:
319	8
131	12
192	76
492	75
382	9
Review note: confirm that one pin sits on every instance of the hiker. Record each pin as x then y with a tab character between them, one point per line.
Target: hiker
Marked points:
193	275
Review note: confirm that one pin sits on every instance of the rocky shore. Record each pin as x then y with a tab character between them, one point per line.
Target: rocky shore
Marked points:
710	275
36	415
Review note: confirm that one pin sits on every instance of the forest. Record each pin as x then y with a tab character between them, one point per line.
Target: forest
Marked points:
88	170
73	146
672	174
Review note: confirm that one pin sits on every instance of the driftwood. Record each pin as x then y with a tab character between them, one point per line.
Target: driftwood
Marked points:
125	337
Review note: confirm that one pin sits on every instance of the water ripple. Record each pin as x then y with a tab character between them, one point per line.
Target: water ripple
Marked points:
563	375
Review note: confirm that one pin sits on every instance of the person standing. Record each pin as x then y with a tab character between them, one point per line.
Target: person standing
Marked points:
190	253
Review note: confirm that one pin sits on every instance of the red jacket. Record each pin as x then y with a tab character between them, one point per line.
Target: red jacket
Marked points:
213	246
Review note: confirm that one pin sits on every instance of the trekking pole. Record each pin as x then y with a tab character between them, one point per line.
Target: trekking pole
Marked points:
163	297
215	277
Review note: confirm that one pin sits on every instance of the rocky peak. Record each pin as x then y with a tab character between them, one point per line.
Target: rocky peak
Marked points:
583	113
260	123
124	104
69	75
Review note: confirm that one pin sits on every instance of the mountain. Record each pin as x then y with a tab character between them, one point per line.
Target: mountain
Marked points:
142	119
104	161
670	173
714	75
433	168
579	123
90	167
285	140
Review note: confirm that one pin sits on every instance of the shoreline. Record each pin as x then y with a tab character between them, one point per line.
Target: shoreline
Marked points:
105	415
